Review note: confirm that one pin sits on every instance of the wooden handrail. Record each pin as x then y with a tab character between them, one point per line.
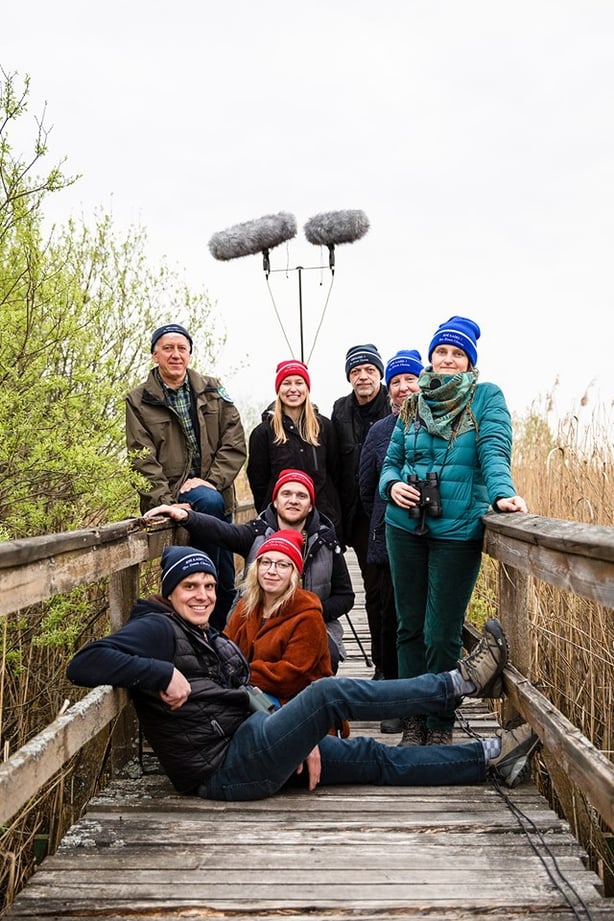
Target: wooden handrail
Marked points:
29	769
568	555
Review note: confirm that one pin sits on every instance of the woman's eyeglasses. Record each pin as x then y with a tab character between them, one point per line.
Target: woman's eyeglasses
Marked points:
265	563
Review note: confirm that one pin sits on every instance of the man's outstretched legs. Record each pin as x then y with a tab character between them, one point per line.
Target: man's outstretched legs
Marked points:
267	749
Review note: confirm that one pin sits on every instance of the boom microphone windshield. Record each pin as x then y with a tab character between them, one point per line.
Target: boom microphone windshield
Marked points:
258	236
335	227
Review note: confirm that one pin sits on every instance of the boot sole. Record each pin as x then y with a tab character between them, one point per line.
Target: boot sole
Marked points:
520	763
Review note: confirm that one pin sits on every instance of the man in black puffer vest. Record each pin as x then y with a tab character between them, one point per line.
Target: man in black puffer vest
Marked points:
189	685
169	660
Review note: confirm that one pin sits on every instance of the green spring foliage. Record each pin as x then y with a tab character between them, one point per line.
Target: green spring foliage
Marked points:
77	308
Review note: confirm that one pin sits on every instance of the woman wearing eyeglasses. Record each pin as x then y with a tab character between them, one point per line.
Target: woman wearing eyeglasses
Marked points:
277	625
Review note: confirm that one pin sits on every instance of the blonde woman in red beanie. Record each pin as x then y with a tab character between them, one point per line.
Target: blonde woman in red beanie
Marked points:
293	434
277	625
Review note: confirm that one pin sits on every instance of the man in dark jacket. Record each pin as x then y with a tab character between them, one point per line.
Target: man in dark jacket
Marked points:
325	571
189	686
184	436
401	376
353	416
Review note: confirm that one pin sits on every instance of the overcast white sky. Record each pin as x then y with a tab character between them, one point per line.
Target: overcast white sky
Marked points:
477	136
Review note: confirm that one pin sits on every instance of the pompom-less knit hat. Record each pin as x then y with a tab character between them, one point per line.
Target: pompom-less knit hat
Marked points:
287	542
291	367
179	562
363	355
173	328
404	362
461	332
295	476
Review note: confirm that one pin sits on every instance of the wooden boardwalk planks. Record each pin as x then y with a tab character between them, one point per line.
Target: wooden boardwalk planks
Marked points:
142	851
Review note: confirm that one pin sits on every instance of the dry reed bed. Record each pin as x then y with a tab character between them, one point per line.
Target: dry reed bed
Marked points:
569	475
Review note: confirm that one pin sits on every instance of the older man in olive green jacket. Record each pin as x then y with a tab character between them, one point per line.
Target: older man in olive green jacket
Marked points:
184	435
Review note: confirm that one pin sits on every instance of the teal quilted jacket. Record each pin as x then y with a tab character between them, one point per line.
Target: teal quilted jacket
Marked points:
473	473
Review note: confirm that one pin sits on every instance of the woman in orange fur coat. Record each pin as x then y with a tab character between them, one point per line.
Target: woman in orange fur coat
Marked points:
277	625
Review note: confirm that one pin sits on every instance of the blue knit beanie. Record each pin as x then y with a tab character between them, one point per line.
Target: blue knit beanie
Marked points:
460	332
363	355
404	362
179	562
174	328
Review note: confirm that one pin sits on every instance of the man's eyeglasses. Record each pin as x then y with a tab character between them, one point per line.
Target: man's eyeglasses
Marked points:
265	563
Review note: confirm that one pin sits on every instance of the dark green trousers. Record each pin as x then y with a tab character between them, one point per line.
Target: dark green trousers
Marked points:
433	581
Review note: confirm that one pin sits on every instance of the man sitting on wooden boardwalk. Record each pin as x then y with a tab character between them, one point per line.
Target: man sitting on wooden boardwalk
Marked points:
189	685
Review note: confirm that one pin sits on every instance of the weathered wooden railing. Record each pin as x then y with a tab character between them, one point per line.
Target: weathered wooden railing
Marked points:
569	556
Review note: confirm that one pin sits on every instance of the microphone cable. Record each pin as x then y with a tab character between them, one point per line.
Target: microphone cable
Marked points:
317	332
551	866
279	320
531	831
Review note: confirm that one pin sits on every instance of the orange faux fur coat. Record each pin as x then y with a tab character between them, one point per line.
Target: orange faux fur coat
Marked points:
286	652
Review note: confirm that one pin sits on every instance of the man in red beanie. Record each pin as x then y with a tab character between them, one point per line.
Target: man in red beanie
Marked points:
325	571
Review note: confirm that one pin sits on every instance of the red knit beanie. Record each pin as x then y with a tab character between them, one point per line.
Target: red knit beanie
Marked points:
291	366
295	476
287	542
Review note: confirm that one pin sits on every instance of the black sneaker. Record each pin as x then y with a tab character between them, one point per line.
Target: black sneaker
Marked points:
484	665
414	731
394	724
518	746
439	737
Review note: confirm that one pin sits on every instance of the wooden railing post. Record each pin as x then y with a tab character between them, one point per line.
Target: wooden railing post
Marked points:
513	585
123	593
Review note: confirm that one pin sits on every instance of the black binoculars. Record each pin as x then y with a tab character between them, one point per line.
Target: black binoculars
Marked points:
429	502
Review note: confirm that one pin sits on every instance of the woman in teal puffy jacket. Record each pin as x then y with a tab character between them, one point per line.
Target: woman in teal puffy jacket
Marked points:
448	460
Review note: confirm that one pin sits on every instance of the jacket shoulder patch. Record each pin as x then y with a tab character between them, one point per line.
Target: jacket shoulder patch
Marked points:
223	393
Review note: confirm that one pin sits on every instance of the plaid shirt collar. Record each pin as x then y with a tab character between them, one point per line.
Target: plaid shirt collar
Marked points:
180	401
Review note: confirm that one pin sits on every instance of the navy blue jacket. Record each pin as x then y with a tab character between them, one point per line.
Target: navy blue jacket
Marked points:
371	463
351	423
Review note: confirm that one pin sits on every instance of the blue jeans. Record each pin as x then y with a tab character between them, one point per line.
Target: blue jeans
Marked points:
267	748
211	502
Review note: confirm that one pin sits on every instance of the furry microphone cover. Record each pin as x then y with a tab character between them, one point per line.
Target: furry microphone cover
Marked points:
253	236
334	227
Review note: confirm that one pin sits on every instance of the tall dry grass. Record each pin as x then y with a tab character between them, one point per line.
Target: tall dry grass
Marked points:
566	471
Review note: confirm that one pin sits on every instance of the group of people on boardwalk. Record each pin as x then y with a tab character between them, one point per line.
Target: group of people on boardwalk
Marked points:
236	687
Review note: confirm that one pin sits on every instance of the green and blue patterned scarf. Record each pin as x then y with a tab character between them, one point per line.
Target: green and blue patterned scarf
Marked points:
444	410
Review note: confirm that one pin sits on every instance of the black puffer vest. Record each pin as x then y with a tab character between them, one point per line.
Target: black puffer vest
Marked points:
191	741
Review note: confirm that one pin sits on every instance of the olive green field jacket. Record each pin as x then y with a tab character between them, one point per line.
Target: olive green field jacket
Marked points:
159	450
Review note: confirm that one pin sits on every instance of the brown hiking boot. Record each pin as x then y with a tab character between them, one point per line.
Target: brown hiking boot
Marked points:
484	665
518	746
